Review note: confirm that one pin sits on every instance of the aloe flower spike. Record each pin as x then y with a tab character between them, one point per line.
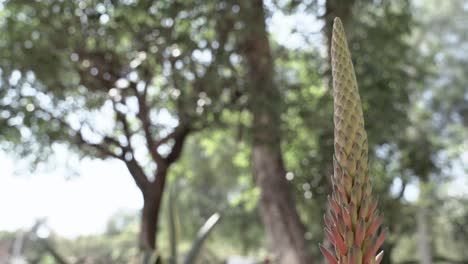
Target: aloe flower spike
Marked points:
352	222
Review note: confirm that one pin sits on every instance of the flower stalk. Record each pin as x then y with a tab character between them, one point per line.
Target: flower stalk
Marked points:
351	220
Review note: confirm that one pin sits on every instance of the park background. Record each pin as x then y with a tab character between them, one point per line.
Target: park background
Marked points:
75	77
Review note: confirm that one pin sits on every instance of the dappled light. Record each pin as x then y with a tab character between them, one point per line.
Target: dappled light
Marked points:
233	131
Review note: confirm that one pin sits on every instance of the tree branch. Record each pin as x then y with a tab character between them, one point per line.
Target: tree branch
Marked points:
137	173
179	135
133	167
143	116
80	139
122	119
99	147
402	190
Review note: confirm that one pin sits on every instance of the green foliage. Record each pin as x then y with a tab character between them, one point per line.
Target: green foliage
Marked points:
214	173
70	61
60	60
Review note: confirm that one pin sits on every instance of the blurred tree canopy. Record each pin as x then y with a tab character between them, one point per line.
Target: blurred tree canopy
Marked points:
125	80
137	80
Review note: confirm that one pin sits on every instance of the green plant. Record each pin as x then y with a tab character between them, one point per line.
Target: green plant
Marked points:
202	235
351	221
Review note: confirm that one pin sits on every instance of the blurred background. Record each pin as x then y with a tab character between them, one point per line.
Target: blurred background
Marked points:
196	109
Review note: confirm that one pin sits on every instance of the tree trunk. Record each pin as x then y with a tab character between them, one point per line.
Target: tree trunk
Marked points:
337	8
424	240
149	220
152	198
423	220
153	190
277	208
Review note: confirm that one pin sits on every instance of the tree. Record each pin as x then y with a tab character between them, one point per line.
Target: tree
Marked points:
117	79
156	74
284	227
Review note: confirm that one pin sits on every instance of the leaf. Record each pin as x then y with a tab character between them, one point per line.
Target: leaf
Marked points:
373	227
203	233
328	255
379	257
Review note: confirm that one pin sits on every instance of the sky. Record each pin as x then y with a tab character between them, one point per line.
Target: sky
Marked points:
78	206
